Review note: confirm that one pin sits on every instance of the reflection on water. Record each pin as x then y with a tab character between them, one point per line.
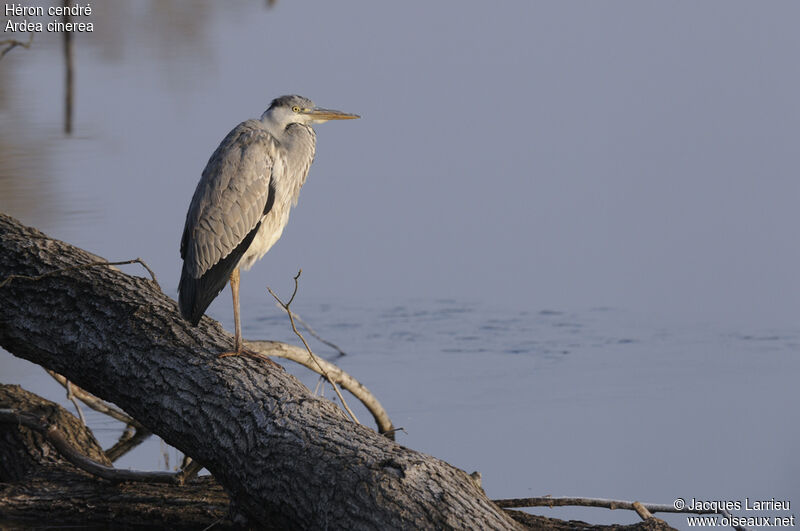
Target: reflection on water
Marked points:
26	184
36	96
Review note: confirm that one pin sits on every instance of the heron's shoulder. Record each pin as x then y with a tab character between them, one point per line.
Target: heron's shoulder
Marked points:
248	143
247	133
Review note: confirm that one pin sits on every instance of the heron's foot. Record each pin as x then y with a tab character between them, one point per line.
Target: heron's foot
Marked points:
238	349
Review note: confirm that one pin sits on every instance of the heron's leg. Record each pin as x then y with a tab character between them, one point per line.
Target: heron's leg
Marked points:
237	323
238	350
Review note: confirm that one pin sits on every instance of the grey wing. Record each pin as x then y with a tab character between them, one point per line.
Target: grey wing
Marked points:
225	215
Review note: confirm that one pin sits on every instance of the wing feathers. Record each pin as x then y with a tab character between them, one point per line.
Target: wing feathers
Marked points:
225	214
230	197
195	294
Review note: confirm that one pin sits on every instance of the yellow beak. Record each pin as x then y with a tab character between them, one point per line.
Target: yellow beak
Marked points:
320	115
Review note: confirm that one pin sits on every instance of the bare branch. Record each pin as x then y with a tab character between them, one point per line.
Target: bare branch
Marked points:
95	403
330	372
642	511
57	439
71	398
646	508
132	436
191	468
285	306
313	332
550	501
13	43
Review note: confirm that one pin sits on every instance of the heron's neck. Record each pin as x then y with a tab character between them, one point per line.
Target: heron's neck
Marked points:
273	124
298	143
299	138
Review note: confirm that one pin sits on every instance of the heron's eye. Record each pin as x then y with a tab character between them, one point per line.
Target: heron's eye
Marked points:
296	108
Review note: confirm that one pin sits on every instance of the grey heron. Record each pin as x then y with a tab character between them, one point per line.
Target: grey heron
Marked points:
242	202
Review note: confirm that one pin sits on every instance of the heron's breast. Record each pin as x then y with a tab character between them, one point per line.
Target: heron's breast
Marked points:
272	225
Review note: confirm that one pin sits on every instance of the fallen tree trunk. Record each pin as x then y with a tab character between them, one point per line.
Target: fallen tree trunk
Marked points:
37	485
287	459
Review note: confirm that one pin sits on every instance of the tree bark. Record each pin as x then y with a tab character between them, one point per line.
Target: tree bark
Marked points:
288	459
38	485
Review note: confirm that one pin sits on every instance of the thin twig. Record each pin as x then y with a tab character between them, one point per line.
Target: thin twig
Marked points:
141	262
305	343
320	383
95	403
190	469
164	452
313	332
642	511
13	43
549	501
71	454
9	278
71	398
132	436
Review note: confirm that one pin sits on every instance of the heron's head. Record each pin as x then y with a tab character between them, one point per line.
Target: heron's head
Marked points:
293	109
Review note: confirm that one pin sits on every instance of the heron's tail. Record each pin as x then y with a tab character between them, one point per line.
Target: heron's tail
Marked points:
196	294
194	297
